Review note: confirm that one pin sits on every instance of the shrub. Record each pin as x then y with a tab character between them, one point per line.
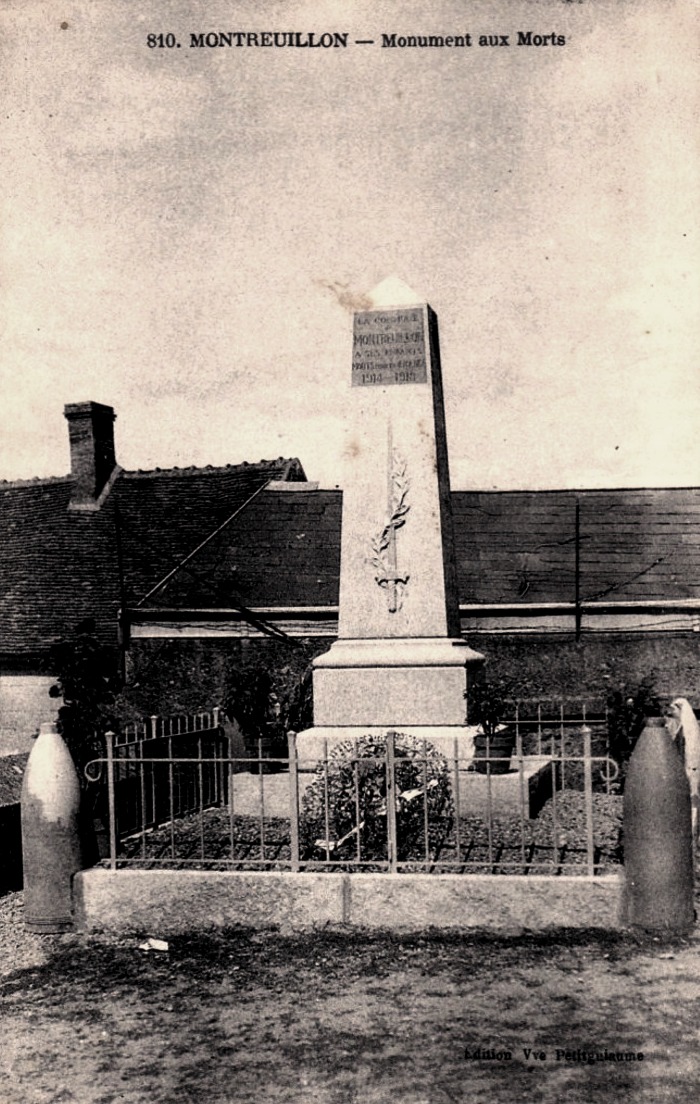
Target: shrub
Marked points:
87	681
267	704
490	697
486	702
356	780
258	682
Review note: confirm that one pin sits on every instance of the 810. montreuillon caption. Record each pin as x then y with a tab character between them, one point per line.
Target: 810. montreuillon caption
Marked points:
339	40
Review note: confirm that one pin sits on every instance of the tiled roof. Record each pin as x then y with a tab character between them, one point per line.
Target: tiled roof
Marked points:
516	546
284	549
511	547
165	515
57	566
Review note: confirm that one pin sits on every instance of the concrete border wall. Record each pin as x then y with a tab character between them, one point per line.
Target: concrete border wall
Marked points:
165	902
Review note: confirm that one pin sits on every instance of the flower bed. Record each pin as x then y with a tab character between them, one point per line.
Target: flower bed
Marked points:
213	841
515	846
511	847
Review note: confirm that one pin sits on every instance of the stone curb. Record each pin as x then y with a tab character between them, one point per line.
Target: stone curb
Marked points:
171	902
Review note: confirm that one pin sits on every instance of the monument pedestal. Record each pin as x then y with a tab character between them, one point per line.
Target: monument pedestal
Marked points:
415	686
395	682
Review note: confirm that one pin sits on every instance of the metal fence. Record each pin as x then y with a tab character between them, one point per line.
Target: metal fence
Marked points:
177	796
161	770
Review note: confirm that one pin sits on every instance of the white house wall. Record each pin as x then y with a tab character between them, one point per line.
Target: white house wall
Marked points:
24	704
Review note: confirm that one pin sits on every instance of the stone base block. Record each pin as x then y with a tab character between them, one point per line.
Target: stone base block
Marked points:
533	786
392	683
529	788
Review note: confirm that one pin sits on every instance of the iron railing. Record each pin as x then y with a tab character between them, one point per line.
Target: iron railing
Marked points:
178	796
160	770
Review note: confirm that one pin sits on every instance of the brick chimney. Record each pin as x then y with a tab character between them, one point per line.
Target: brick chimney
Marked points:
92	459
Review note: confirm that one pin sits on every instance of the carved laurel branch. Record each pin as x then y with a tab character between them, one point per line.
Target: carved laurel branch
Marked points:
399	509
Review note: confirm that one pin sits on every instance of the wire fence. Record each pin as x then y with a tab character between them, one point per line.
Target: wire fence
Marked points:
541	797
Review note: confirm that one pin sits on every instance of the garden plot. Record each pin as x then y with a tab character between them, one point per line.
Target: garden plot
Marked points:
556	842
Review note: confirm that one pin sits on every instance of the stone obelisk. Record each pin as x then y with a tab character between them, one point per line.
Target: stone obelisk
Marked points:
399	661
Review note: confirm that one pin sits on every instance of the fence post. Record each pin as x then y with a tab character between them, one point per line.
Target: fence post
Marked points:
326	803
262	799
230	792
293	800
200	779
523	802
109	740
588	796
150	770
562	745
391	802
171	796
142	795
217	745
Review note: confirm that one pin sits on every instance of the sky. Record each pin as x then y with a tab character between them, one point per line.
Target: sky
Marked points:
184	232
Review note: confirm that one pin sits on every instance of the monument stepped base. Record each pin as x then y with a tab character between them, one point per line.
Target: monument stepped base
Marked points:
314	742
397	683
530	787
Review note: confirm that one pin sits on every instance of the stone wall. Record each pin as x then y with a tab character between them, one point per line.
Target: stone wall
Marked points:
192	674
591	667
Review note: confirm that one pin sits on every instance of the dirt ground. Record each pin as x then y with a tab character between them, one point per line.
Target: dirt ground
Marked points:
343	1018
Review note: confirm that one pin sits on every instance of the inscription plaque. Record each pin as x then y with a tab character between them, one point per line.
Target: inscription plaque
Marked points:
388	347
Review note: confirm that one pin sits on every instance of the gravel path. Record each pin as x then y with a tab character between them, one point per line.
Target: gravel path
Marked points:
20	949
336	1017
515	846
